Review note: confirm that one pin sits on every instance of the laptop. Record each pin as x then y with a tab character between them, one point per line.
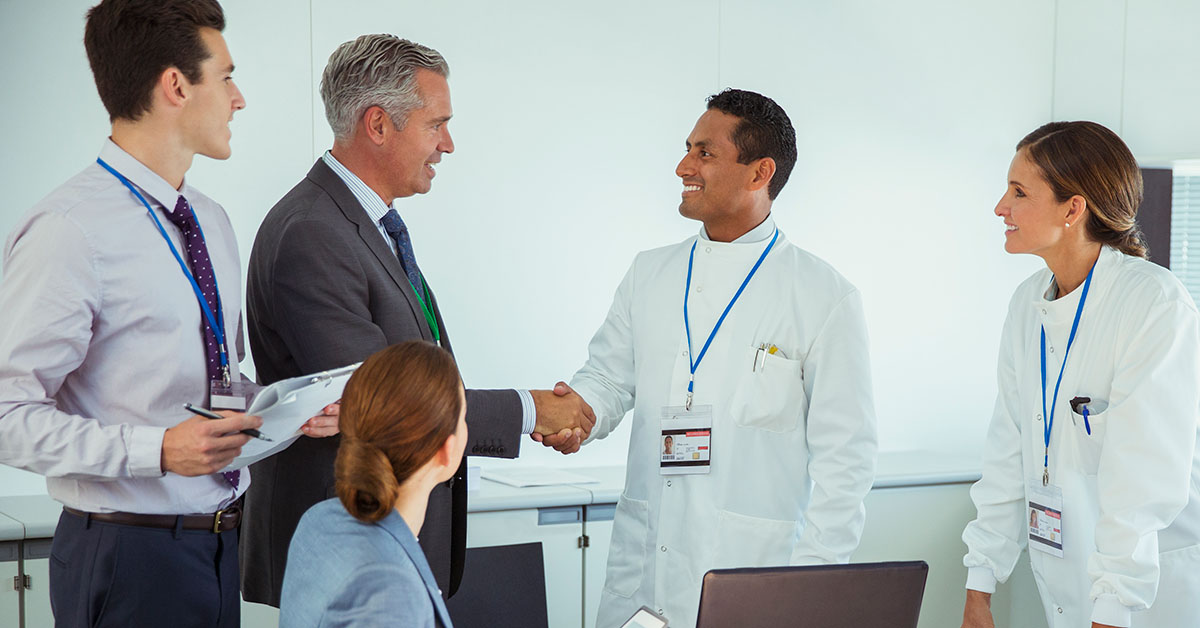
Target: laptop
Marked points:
879	595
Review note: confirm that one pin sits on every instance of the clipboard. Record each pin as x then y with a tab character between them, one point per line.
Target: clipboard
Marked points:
285	406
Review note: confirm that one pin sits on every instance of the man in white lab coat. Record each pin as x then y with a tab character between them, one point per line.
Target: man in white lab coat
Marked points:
765	389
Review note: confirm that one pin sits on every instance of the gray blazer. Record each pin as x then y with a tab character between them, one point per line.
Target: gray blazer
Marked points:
343	572
323	291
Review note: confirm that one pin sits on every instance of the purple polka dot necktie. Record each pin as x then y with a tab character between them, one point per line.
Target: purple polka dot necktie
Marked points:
202	271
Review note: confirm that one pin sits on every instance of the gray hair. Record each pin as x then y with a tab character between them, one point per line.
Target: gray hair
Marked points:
375	70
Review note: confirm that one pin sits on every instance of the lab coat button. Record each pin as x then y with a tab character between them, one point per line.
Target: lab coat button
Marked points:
660	611
1039	417
700	289
708	249
1051	349
1060	610
663	548
1043	310
668	483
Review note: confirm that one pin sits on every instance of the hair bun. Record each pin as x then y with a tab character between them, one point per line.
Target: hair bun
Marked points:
366	483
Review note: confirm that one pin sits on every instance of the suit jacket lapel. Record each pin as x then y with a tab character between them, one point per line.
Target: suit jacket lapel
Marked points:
333	185
395	526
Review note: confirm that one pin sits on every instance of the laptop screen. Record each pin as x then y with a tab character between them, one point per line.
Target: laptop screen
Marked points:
880	595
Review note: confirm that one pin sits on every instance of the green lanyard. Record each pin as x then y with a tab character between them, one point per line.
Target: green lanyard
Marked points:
422	297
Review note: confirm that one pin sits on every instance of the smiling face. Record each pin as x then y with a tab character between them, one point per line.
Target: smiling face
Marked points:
412	152
1034	219
212	100
715	186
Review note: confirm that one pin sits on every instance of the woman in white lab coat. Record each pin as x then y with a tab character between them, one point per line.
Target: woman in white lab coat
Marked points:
1114	491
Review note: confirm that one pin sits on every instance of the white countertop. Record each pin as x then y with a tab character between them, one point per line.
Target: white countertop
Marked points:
895	469
11	529
35	516
496	496
38	513
924	468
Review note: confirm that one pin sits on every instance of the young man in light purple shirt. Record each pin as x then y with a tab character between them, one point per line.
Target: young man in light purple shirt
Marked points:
116	293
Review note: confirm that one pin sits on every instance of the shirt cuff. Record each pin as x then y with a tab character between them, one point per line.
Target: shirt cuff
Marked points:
981	579
1108	609
145	445
528	411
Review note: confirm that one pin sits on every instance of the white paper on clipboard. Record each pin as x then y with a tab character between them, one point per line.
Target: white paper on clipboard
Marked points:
285	406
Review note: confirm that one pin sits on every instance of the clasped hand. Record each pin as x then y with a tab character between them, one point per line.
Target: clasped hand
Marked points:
564	419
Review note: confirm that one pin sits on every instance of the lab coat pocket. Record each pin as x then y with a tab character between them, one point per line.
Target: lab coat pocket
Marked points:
1088	446
744	541
1176	602
768	393
627	552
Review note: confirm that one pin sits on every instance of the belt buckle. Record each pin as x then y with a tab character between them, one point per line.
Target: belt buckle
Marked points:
217	520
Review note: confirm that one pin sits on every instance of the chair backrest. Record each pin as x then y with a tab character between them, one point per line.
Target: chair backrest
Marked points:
503	585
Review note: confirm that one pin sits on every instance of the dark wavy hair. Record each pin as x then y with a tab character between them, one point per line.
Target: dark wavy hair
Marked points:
130	43
764	130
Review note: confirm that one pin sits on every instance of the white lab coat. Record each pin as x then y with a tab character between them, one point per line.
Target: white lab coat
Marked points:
793	442
1131	510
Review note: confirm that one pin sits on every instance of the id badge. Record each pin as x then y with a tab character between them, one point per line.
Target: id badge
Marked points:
685	444
1045	519
235	396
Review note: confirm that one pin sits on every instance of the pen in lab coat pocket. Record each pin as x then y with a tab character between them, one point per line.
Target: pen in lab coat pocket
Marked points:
1079	405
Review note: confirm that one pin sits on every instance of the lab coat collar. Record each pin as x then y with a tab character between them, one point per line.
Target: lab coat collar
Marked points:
1061	311
761	233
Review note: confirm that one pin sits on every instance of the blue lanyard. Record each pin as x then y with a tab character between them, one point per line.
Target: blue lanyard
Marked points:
1049	423
218	329
695	364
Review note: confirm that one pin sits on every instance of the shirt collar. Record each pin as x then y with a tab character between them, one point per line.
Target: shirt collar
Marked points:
149	182
367	197
761	233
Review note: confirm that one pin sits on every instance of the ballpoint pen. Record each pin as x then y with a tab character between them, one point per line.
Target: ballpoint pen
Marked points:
209	414
1079	405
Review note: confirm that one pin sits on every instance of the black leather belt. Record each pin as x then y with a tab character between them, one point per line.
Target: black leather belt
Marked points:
220	521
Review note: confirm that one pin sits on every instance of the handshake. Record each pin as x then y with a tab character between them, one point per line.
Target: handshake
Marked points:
564	419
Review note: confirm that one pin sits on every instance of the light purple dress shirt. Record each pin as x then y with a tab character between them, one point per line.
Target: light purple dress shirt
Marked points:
101	341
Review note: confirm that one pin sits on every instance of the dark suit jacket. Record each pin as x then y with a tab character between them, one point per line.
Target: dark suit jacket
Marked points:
323	291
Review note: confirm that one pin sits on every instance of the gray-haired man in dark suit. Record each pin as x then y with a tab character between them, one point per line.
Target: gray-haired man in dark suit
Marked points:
333	278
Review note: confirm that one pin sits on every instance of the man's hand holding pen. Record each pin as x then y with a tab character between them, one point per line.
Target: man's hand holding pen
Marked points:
200	445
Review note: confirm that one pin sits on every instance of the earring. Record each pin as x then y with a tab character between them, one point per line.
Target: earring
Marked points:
1068	225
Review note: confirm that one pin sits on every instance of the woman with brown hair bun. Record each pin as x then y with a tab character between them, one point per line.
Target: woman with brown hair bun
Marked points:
1090	459
355	559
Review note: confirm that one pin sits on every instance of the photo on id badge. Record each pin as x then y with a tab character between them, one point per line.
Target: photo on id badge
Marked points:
1045	520
685	441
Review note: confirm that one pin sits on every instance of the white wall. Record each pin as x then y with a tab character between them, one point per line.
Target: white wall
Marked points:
570	118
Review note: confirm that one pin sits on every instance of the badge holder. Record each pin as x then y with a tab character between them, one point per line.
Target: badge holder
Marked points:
1045	519
685	444
234	395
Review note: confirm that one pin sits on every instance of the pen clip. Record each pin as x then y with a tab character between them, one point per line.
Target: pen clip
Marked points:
760	352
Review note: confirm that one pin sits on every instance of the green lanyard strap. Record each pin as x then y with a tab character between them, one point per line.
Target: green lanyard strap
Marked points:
427	309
